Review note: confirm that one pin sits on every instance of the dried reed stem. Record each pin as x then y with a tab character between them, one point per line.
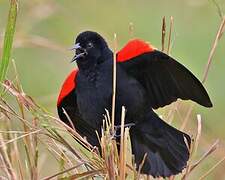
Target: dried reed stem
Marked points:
199	119
18	159
141	166
22	136
123	147
210	151
170	34
114	83
9	170
69	119
211	169
187	117
212	51
163	32
62	172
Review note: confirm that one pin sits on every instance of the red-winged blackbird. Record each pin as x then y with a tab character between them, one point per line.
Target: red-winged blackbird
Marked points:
146	79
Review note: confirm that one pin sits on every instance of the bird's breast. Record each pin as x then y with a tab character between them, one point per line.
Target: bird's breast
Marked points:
93	97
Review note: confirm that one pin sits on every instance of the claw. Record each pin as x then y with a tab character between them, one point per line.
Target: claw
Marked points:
125	125
118	127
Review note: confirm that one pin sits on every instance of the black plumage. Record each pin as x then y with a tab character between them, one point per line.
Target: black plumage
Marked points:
144	82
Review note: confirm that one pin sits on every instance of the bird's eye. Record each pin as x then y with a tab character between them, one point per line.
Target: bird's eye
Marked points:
90	45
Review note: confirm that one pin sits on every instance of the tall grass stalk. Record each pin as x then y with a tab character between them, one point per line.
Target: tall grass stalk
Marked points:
8	38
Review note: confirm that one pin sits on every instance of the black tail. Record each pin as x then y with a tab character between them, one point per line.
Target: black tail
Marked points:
166	149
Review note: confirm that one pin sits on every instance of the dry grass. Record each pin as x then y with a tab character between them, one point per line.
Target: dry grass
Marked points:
74	157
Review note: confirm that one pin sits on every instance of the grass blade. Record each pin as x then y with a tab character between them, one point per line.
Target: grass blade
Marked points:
8	38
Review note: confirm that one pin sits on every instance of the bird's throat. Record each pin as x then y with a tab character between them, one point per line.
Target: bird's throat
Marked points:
89	71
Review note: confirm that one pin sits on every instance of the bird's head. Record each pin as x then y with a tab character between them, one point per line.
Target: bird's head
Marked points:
89	48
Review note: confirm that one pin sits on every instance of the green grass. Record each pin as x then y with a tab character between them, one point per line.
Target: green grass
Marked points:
8	39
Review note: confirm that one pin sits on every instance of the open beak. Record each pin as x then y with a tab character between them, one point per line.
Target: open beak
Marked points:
75	47
80	52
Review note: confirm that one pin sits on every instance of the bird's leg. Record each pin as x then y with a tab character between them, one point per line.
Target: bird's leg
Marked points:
116	135
125	125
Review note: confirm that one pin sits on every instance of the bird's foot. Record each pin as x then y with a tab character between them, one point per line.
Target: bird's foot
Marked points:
125	125
117	129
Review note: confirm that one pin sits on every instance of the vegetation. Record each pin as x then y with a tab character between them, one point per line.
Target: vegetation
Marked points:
35	144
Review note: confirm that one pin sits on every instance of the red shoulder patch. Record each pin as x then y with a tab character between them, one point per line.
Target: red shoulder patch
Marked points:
68	85
132	49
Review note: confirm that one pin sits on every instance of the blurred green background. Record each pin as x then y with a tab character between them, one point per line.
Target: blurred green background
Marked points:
47	28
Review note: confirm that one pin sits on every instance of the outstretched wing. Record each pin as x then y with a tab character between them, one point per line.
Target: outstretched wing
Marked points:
164	79
68	109
67	104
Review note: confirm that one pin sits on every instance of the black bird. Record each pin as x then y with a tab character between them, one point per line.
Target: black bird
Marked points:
146	79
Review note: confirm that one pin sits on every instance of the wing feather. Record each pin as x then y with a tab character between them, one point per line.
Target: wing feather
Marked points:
164	79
